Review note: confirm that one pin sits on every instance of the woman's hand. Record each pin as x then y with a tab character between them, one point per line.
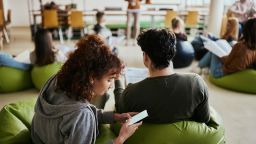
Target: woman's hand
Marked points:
124	116
126	131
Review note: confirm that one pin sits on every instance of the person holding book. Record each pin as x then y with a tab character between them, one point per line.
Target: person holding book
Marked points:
44	53
63	113
167	96
230	35
242	55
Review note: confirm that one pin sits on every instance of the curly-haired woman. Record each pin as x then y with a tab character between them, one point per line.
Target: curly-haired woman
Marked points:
63	113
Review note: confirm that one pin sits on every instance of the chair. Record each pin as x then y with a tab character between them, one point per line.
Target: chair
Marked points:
192	18
3	31
13	79
184	54
16	118
50	21
76	21
191	22
168	18
148	2
183	132
242	81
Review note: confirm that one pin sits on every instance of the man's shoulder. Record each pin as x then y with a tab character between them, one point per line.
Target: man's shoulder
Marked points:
137	85
188	76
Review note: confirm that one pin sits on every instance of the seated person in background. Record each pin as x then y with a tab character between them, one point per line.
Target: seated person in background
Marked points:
178	29
231	35
242	55
100	29
184	50
63	113
45	52
167	96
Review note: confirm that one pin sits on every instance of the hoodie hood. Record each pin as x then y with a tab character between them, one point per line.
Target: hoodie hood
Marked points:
53	103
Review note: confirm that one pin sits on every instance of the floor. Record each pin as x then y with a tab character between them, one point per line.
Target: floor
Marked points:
236	109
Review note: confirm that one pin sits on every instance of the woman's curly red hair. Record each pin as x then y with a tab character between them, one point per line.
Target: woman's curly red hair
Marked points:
91	59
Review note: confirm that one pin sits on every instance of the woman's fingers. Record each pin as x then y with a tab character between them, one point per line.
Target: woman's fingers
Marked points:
133	113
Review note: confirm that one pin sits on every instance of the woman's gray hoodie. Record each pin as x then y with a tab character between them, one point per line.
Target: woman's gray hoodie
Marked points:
59	119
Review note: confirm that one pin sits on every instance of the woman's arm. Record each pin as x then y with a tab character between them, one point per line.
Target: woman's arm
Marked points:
125	132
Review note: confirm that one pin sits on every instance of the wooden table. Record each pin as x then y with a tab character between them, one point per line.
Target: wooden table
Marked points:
152	14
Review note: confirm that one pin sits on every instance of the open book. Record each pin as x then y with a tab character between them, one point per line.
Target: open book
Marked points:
133	75
220	47
113	40
23	57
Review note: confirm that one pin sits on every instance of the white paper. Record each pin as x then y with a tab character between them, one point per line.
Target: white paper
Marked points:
23	57
220	47
133	75
113	41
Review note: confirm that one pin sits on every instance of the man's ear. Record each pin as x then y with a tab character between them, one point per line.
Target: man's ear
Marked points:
146	59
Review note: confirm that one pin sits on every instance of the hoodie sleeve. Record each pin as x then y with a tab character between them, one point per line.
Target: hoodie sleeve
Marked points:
79	127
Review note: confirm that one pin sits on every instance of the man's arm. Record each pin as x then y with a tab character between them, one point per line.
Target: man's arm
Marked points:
118	91
202	111
234	9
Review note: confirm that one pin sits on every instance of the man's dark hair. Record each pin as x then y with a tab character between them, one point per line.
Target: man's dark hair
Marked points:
159	45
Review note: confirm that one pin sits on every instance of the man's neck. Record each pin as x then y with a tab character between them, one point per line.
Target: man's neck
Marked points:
160	72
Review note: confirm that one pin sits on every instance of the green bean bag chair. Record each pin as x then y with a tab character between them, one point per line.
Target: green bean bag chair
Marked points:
40	74
15	124
243	81
12	79
184	132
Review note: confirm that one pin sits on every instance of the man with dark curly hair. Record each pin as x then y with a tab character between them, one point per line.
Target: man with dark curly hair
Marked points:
167	96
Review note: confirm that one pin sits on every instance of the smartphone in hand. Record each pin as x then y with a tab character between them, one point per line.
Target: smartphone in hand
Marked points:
138	117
